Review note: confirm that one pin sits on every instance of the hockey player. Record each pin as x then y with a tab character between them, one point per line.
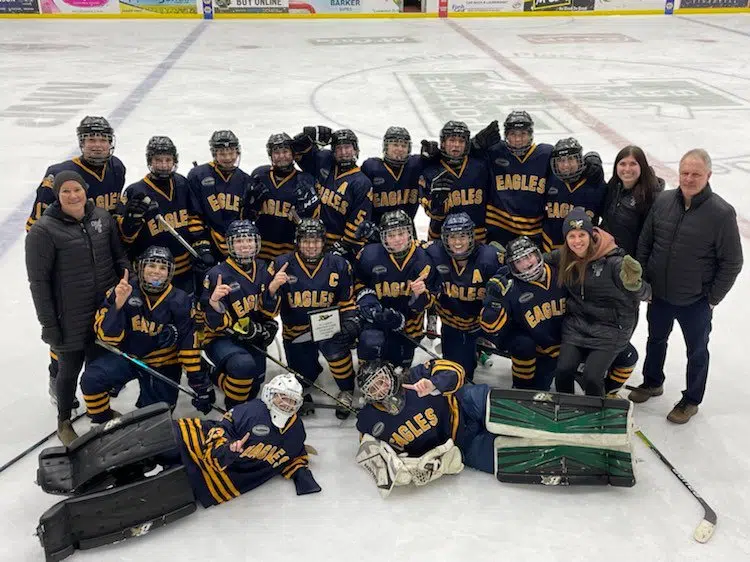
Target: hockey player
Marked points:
150	319
104	175
163	191
345	192
576	181
237	326
218	188
103	172
392	280
523	313
463	270
395	177
456	182
278	197
519	168
307	280
212	462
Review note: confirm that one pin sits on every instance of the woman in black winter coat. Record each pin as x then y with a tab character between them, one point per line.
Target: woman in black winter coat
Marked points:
605	287
73	256
630	193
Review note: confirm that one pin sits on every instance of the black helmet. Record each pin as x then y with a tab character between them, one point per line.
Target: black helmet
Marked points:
155	255
161	145
394	220
458	223
395	134
310	228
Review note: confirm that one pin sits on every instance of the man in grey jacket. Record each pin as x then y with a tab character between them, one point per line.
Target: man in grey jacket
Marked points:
691	254
73	256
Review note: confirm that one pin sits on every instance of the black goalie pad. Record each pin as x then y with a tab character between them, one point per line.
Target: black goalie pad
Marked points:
124	512
106	454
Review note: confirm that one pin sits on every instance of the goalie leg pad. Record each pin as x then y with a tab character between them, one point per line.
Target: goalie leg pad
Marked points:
95	458
557	463
92	520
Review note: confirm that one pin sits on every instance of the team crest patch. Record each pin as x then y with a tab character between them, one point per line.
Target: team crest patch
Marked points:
552	191
444	269
526	297
502	162
135	301
378	181
234	286
379	270
208	182
260	430
378	429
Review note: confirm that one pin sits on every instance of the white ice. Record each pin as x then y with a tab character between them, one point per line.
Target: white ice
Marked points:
259	77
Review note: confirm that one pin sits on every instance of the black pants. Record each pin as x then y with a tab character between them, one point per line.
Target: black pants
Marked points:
595	367
70	364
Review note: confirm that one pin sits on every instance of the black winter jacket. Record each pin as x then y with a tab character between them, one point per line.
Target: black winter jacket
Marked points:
622	218
71	264
600	313
690	254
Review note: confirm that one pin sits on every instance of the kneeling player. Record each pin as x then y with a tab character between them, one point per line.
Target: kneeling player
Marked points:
151	319
208	461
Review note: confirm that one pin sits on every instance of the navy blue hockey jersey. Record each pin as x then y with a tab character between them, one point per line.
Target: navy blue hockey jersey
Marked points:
393	188
218	475
588	193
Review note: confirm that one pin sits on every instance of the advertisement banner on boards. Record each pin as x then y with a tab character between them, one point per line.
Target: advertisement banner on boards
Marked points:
251	6
458	6
159	6
19	7
80	6
713	4
558	5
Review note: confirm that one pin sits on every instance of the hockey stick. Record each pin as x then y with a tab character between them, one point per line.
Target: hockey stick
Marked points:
705	528
305	379
418	344
154	373
43	440
177	235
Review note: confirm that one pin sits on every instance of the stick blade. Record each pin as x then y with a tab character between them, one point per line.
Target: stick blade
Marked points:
704	531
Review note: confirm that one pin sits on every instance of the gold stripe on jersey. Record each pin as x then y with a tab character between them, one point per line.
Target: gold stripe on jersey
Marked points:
99	330
96	403
445	364
521	226
455	415
454	321
496	325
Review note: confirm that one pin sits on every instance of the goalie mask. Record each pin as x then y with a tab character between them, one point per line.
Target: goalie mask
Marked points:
310	240
96	139
243	242
519	132
396	146
279	149
457	235
567	160
380	383
396	233
225	150
283	398
161	157
525	259
155	270
454	142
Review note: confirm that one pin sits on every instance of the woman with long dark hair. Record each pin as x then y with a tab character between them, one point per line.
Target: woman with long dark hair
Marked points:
630	193
604	289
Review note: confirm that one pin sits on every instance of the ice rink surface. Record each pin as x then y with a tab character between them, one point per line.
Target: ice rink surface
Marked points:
667	84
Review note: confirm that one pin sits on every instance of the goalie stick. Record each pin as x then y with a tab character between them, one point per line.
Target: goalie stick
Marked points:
705	529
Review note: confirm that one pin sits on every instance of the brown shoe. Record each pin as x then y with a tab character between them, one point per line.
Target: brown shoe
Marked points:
643	393
66	433
682	412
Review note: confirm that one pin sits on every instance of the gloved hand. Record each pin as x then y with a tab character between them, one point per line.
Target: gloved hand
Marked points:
350	329
205	259
430	150
256	192
320	134
592	164
52	335
487	137
389	319
245	330
306	197
204	390
367	230
137	206
167	337
367	310
338	249
440	188
631	273
499	285
269	328
304	482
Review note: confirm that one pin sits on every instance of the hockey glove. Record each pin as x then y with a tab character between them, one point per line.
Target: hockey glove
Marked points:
269	328
137	206
307	199
320	134
368	305
204	390
389	319
592	165
487	137
205	259
247	331
255	193
304	482
338	249
440	187
430	150
167	337
52	335
367	230
350	329
498	286
631	274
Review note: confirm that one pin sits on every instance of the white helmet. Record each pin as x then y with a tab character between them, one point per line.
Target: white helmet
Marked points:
283	397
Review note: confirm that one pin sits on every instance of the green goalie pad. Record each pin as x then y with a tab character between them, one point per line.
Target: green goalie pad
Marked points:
580	420
554	463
